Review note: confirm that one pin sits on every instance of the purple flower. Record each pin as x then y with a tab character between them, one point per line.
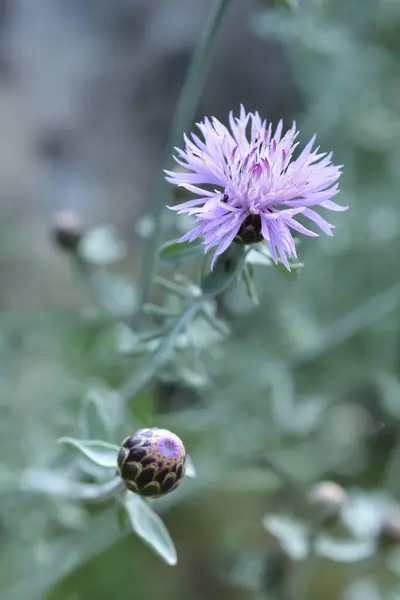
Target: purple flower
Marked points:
249	187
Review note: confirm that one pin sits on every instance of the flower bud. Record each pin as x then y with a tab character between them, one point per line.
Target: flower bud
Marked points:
152	462
67	230
329	496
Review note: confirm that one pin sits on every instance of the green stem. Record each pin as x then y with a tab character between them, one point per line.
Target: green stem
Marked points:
183	117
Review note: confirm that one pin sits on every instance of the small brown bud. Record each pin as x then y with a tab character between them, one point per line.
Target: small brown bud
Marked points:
329	496
67	230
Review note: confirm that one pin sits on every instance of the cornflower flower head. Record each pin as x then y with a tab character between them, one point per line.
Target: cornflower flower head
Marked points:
249	187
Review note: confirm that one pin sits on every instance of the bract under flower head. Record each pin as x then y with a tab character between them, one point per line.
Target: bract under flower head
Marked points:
255	188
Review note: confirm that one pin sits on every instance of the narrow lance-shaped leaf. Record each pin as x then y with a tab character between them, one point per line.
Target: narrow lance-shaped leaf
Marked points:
94	423
99	452
346	551
150	528
174	252
226	269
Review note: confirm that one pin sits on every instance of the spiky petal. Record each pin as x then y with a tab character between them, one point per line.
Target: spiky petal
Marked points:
255	188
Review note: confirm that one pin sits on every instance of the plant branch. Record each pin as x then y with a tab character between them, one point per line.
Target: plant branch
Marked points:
183	117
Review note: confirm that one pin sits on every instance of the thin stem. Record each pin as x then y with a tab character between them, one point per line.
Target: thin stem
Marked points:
183	117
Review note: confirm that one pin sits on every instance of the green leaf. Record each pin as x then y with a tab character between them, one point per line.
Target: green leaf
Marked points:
152	364
99	452
173	287
46	482
114	340
174	252
94	421
346	551
226	269
293	535
190	468
114	293
259	256
150	528
67	554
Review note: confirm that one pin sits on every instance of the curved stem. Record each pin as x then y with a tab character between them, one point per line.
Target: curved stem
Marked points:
183	117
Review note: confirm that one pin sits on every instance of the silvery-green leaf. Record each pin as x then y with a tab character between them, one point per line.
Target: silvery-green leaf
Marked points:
190	468
365	512
293	535
352	550
159	311
172	252
44	481
115	340
173	287
150	528
192	378
99	452
247	571
66	554
226	269
363	589
115	294
94	421
259	256
102	247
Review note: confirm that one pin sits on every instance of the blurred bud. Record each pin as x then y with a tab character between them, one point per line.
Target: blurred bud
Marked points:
152	462
67	230
328	496
390	528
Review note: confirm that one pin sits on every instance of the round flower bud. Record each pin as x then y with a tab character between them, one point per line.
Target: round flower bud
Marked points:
152	462
329	496
67	230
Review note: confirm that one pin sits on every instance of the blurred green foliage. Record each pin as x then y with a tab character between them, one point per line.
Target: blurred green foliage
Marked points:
307	388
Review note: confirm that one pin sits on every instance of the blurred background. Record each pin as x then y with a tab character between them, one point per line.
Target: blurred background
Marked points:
310	379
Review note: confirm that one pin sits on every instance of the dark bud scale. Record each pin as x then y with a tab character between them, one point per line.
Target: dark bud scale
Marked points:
152	462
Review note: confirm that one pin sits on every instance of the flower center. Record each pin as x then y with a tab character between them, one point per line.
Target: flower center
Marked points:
250	230
169	448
